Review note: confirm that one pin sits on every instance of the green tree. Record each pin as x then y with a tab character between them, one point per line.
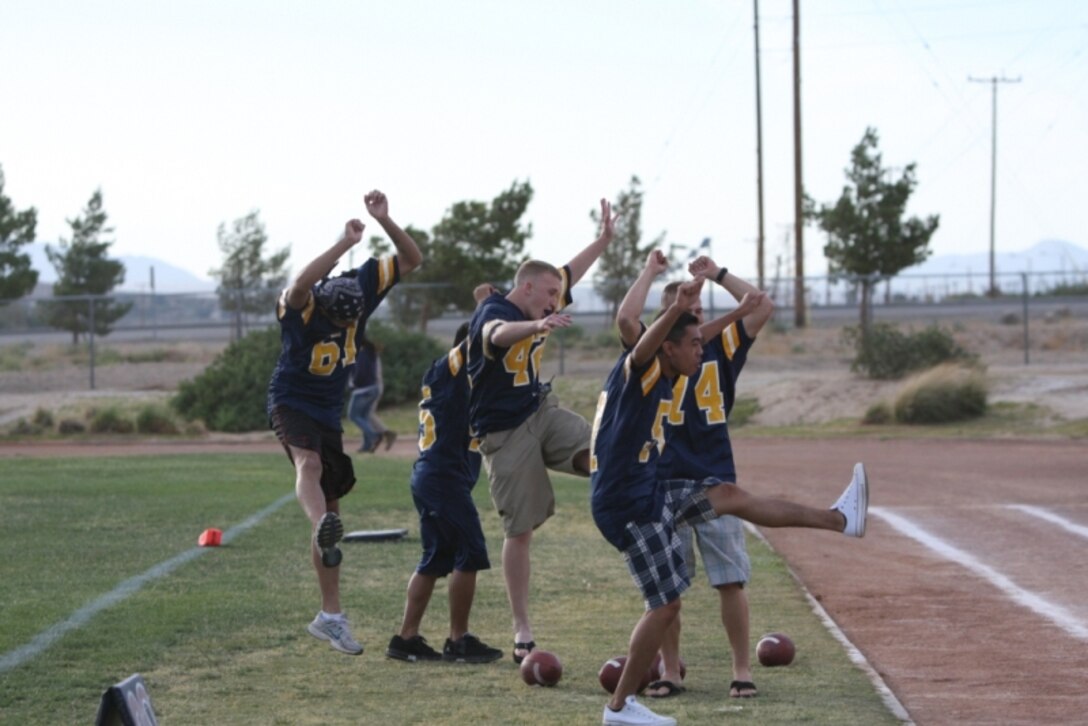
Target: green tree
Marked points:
867	235
249	282
622	261
83	268
475	242
17	277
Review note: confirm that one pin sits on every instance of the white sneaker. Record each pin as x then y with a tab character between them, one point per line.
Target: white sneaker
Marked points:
634	712
854	503
337	632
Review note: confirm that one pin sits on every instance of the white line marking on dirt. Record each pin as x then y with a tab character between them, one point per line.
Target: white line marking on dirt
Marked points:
1041	606
891	702
1073	527
75	621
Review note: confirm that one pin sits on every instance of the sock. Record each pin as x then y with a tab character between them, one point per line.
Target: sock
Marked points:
331	616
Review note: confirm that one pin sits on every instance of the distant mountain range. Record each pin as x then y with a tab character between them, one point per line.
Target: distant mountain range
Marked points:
168	278
1050	255
1046	256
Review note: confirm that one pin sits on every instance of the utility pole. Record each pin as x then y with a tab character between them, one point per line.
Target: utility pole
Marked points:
798	186
759	154
993	81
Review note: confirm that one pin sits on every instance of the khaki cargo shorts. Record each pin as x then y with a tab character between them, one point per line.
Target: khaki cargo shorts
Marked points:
517	462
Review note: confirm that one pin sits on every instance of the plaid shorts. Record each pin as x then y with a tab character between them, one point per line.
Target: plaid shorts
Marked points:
655	554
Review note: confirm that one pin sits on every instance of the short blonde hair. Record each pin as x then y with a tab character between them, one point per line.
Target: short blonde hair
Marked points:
668	295
532	268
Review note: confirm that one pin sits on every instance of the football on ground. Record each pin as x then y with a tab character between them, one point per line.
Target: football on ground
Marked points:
541	668
609	674
775	649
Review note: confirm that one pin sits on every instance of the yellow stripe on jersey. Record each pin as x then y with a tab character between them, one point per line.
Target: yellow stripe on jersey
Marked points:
649	378
281	307
730	340
385	273
456	359
489	328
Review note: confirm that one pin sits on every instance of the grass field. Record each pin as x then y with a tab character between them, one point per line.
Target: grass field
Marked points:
221	637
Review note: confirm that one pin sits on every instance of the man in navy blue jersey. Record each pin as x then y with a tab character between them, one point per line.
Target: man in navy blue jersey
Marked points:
636	510
321	322
699	447
521	428
443	478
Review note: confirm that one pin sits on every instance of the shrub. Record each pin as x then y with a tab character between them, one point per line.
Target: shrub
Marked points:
110	421
69	426
22	427
406	356
943	394
743	411
43	419
231	393
878	414
155	420
886	353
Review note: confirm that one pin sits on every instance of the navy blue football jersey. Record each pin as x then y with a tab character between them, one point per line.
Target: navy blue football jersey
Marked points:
505	381
698	420
629	435
317	355
448	455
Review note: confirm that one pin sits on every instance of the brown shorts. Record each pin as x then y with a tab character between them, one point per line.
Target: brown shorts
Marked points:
517	462
294	428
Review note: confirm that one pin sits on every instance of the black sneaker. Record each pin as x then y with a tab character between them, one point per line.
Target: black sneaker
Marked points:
411	649
329	531
469	649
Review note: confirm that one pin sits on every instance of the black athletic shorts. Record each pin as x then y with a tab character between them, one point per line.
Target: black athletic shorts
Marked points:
294	428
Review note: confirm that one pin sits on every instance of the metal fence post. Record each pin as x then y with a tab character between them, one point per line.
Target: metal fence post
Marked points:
90	336
1024	296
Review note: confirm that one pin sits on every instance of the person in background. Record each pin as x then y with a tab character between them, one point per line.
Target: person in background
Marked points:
366	390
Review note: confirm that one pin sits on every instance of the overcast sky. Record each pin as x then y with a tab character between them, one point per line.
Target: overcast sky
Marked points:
191	114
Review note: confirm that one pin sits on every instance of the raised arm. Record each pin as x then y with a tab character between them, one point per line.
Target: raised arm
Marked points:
629	313
408	255
755	319
584	259
748	304
299	290
647	346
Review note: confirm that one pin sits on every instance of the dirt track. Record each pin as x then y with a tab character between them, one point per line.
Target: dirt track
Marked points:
952	646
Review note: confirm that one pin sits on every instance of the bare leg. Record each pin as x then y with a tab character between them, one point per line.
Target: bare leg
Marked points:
645	642
516	571
670	658
734	611
462	592
420	589
767	512
312	499
516	567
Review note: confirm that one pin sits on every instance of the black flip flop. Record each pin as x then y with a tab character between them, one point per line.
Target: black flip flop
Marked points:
528	647
671	689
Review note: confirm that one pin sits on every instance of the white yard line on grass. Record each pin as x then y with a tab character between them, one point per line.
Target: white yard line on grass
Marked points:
1073	527
46	638
1041	606
891	702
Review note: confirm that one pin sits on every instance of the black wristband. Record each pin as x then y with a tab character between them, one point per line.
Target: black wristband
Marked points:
721	273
